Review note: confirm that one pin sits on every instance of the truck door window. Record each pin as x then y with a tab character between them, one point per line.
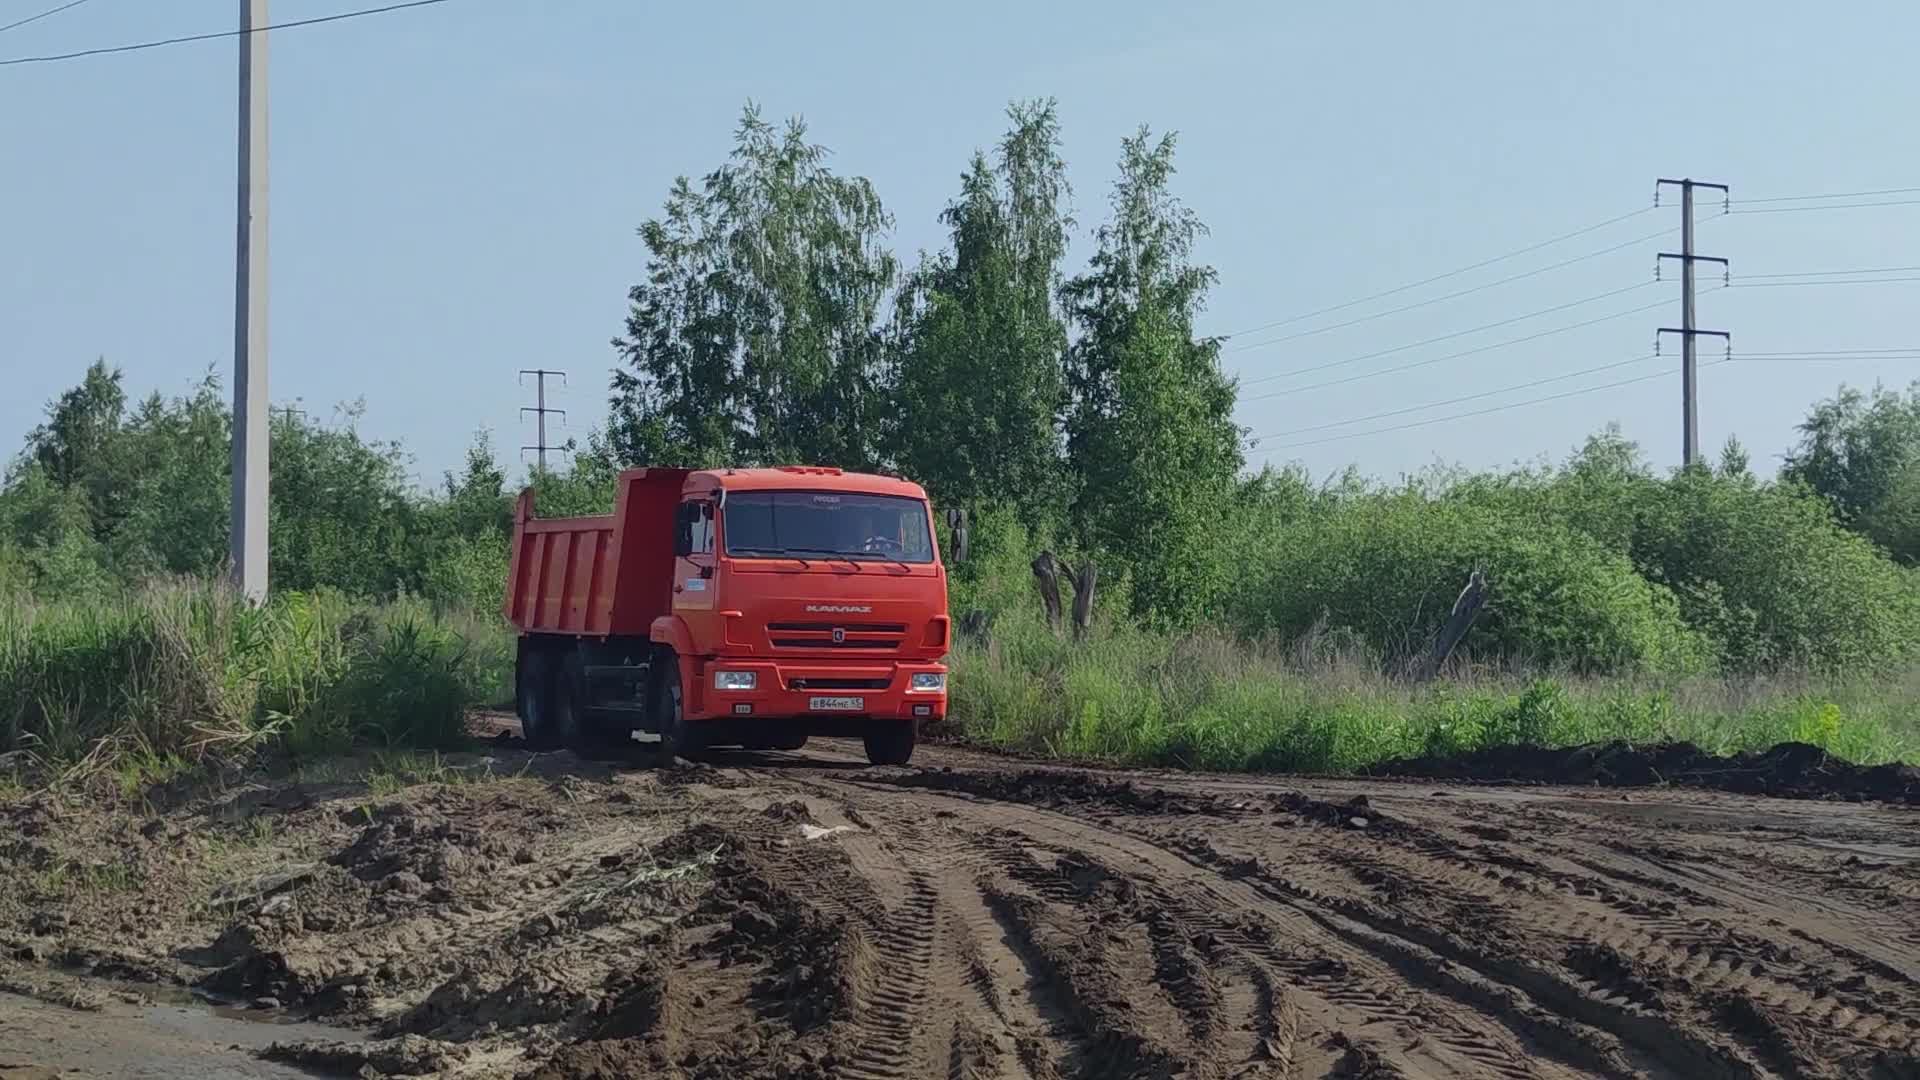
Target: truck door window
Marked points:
693	529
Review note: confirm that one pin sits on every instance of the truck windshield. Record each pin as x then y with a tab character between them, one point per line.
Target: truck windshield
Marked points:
814	523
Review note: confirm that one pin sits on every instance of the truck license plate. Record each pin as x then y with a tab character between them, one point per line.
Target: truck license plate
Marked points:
836	704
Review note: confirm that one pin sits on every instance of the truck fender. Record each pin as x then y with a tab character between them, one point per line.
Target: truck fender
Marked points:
671	631
669	634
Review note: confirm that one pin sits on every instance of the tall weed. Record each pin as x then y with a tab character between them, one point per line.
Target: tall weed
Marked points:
188	671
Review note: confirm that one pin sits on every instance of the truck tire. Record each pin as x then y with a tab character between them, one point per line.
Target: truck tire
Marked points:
891	744
533	697
677	739
571	725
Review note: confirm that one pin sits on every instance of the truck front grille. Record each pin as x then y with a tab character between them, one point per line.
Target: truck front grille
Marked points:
822	682
849	627
825	642
857	636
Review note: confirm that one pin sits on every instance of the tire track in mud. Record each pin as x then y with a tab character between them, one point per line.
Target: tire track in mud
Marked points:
1769	984
1734	990
796	921
884	1037
1349	988
1624	956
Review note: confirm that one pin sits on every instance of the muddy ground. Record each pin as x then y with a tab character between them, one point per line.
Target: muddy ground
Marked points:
802	915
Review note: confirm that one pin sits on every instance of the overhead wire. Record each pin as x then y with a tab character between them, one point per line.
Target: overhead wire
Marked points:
1829	195
36	18
1458	400
1452	295
1450	356
1836	273
1824	206
1466	415
138	46
1913	354
1835	277
1516	253
1829	281
1454	273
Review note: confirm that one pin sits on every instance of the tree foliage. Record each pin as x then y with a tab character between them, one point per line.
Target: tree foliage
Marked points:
1150	433
755	337
976	380
1861	452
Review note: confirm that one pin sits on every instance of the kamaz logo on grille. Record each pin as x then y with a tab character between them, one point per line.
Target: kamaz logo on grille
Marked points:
839	635
840	609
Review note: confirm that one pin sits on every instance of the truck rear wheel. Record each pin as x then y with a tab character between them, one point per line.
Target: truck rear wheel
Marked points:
573	727
891	744
533	697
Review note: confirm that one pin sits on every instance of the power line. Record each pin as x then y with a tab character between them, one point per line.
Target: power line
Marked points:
1845	281
1440	277
1453	295
1477	412
1539	400
1827	206
42	15
1836	273
216	36
1849	353
1832	195
1912	354
1458	400
1451	356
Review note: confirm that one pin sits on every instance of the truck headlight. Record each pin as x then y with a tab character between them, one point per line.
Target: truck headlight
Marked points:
928	682
735	680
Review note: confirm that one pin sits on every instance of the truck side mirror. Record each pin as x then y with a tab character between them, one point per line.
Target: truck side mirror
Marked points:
683	529
957	526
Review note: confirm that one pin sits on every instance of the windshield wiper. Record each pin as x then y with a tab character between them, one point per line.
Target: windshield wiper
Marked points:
831	553
777	553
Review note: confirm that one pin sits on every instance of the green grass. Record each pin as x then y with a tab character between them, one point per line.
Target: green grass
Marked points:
68	879
148	684
1210	702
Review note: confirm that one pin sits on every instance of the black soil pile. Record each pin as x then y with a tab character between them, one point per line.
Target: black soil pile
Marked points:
1058	788
1791	770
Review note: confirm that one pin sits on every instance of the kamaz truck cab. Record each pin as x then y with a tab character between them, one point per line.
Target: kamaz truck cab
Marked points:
744	607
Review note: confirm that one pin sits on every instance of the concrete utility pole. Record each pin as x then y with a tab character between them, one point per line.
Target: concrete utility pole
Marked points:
249	537
1689	390
540	410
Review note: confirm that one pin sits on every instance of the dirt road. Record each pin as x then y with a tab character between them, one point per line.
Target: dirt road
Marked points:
802	915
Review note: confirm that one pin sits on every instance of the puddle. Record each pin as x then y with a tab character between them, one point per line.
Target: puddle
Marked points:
178	1038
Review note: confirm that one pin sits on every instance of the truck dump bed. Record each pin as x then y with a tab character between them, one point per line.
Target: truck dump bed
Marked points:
596	576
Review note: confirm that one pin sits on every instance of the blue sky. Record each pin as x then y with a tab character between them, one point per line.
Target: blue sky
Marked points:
455	191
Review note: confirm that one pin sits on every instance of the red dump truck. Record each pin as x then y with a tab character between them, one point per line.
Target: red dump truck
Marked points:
732	607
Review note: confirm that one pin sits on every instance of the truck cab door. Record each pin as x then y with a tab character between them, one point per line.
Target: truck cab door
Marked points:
693	564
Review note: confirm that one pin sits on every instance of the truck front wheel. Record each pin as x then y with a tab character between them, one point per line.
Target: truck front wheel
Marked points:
891	744
670	714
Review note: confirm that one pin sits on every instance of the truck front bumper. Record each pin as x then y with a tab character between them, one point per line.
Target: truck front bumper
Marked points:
818	691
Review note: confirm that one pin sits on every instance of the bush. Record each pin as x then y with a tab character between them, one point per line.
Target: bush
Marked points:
189	672
1387	567
1770	575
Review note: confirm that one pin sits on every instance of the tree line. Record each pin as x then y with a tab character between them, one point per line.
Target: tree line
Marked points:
775	325
1076	408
